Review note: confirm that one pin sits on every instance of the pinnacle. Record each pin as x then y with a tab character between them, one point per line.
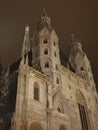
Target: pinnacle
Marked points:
73	36
43	12
26	42
27	28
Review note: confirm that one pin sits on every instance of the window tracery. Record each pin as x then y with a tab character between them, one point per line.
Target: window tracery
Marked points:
36	91
82	110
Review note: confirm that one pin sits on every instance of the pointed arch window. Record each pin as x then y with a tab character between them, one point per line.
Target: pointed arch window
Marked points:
82	111
47	64
83	117
46	51
36	91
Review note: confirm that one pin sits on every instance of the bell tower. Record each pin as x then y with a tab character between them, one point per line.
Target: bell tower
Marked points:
80	62
46	49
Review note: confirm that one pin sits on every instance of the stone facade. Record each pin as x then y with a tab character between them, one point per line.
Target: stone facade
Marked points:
50	95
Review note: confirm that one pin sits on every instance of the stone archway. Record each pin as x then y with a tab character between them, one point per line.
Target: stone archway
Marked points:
35	126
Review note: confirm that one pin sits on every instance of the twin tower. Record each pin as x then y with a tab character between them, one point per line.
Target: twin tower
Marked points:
46	53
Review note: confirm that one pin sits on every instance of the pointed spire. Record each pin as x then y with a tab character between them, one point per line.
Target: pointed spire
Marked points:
26	42
44	17
73	37
73	42
43	13
44	21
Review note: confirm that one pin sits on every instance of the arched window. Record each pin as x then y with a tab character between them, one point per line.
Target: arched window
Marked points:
45	41
62	127
47	64
46	51
81	68
36	91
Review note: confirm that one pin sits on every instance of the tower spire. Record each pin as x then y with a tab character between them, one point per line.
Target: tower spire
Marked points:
26	42
44	21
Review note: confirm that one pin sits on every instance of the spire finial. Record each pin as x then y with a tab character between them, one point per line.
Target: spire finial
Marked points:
43	13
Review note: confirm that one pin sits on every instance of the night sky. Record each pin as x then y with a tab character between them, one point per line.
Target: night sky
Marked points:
68	16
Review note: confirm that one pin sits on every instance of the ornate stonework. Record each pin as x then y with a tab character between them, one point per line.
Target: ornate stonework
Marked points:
50	91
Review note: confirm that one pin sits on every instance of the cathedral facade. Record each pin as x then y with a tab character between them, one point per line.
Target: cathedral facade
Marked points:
44	90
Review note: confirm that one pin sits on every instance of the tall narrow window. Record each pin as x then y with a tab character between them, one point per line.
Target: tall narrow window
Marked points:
46	51
54	43
82	111
57	80
36	91
47	64
83	117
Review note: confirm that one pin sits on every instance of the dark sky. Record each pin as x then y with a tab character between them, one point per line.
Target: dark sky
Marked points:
68	16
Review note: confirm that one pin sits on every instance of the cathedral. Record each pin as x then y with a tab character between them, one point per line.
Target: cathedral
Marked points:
45	90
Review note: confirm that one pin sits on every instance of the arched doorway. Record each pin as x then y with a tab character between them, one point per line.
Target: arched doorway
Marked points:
35	126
